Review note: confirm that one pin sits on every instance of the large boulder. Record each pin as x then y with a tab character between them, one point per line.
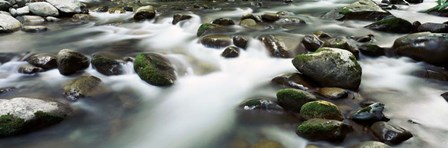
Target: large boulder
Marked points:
390	133
293	99
433	27
323	129
392	24
83	86
23	115
145	13
70	62
8	24
107	66
359	10
45	61
43	9
425	46
67	6
154	69
204	28
330	67
321	109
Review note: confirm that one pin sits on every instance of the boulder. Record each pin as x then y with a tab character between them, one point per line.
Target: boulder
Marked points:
293	99
240	41
275	47
323	129
45	61
4	5
312	42
342	42
270	17
43	9
231	52
107	66
216	40
81	87
154	69
359	10
433	27
392	25
180	17
389	133
206	27
321	109
145	13
8	24
70	62
67	6
372	50
370	114
248	22
223	22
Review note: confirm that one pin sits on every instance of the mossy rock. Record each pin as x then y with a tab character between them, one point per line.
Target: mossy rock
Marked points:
10	125
154	69
83	86
323	129
293	99
392	24
205	27
321	109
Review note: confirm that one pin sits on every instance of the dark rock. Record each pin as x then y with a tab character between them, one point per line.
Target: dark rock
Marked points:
145	13
370	144
270	17
106	66
103	9
359	10
4	5
204	28
240	41
128	9
414	1
274	46
33	29
433	27
154	69
321	109
323	129
81	87
425	46
45	61
322	35
6	57
312	42
231	52
6	90
342	43
70	62
333	92
370	114
261	104
293	80
445	96
29	69
363	39
216	40
389	133
257	19
223	22
372	50
180	17
293	99
392	24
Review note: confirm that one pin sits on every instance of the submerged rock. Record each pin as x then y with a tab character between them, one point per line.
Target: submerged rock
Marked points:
293	80
216	40
370	144
45	61
107	66
206	27
260	104
433	27
145	13
154	69
240	41
323	129
70	62
270	17
8	24
43	9
34	29
321	109
231	52
370	114
389	133
393	25
81	87
293	99
312	42
330	67
359	10
24	115
333	92
29	69
425	46
180	17
275	47
223	22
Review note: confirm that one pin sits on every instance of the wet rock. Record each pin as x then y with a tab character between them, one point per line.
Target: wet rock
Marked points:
6	90
52	19
333	92
261	104
67	6
115	10
29	69
34	29
84	86
342	43
33	19
4	5
433	27
145	13
370	114
330	67
20	11
425	47
274	46
45	61
107	66
248	23
70	62
323	129
363	39
154	69
43	9
24	115
321	109
414	1
240	41
231	52
445	96
204	28
223	22
81	18
293	80
312	42
370	144
290	22
6	57
270	17
359	10
216	40
128	9
389	133
103	9
293	99
322	35
372	50
257	19
392	24
8	24
180	17
267	144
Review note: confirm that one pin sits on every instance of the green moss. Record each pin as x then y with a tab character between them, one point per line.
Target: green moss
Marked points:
204	27
293	99
344	10
322	129
46	118
154	69
321	109
10	125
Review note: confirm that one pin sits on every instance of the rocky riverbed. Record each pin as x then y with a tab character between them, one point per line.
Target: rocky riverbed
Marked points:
238	74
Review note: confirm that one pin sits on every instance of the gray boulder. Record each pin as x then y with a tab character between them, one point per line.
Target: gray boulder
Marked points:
43	9
359	10
67	6
8	23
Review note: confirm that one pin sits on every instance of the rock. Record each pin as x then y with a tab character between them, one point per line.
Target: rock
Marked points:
231	52
52	19
4	5
70	62
33	19
445	96
342	43
154	69
128	9
321	109
216	41
34	29
433	27
43	9
323	129
84	86
248	23
333	92
389	133
6	90
267	144
223	22
107	66
4	12
81	18
257	19
424	46
204	28
370	144
180	17
293	99
293	80
29	69
116	10
260	104
392	25
24	115
330	67
372	50
312	42
67	6
359	10
103	9
322	35
363	39
414	1
6	57
290	22
45	61
270	17
8	24
274	46
20	11
145	13
370	114
240	41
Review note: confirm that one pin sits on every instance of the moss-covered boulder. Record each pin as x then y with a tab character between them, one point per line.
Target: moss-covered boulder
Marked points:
330	67
370	144
359	10
293	99
107	66
70	62
83	86
24	115
154	69
145	13
204	28
321	109
390	133
392	24
323	130
370	114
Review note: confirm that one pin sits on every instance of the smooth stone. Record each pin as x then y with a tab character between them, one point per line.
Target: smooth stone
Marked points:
323	130
106	66
333	92
231	52
33	19
293	99
45	61
70	62
33	29
275	47
20	11
370	114
240	41
392	24
216	40
84	86
292	80
145	13
8	24
248	23
67	6
154	69
372	50
180	17
270	17
312	42
43	9
321	109
204	28
52	19
389	133
223	22
433	27
29	69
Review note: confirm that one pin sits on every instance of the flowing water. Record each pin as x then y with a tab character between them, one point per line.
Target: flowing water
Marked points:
200	110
